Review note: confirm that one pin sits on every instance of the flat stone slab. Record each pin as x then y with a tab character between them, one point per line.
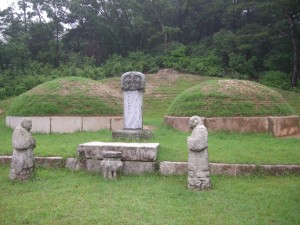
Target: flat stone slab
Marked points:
145	152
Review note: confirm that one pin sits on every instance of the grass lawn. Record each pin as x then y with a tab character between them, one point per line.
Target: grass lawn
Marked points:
223	146
65	197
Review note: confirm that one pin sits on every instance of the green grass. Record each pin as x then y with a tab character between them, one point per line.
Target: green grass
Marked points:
223	146
67	96
229	98
65	197
157	101
293	98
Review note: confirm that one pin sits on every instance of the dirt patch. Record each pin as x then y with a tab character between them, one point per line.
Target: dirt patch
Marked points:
292	136
1	111
168	71
90	89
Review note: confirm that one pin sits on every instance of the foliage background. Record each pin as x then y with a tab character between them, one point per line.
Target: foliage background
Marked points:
45	39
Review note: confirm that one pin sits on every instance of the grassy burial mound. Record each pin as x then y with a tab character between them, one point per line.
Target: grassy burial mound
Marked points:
68	96
215	98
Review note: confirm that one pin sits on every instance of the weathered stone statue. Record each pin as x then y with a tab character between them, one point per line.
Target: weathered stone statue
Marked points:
22	164
111	164
198	164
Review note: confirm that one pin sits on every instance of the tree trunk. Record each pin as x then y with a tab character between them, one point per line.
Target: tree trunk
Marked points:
295	42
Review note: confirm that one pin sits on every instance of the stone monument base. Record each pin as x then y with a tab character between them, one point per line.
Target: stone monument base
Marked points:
132	134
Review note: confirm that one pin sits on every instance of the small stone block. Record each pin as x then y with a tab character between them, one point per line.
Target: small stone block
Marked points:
73	164
173	168
233	169
5	160
50	162
278	170
134	167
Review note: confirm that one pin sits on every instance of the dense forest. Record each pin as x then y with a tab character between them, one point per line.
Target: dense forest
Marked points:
242	39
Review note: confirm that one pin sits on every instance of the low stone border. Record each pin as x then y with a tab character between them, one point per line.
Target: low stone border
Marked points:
166	167
53	124
47	162
278	126
180	168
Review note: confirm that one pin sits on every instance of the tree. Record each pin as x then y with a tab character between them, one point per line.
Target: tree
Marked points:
291	9
56	11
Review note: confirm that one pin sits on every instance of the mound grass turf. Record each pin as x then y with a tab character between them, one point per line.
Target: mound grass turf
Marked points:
68	96
229	98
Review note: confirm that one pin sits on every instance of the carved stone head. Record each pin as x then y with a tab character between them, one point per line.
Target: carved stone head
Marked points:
132	81
194	121
27	124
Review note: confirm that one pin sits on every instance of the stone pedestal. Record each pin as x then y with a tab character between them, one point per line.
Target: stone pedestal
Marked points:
132	134
198	170
111	164
137	158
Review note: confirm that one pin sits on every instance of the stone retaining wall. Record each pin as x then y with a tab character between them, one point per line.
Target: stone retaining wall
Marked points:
181	168
166	168
278	126
49	125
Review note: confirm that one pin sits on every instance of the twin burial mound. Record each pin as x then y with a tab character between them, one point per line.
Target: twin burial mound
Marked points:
75	96
227	98
70	96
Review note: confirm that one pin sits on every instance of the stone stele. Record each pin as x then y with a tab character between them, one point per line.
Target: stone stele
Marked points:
198	163
133	87
22	164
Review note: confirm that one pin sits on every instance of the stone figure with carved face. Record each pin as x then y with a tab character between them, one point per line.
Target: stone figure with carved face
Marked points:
22	164
198	163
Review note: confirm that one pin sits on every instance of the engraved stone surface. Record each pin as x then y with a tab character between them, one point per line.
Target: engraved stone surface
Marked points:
146	152
22	164
198	164
133	106
133	86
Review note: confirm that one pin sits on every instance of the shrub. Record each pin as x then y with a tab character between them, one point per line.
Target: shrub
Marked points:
207	66
275	79
238	63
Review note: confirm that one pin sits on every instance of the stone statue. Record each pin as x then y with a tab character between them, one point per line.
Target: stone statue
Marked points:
22	164
198	164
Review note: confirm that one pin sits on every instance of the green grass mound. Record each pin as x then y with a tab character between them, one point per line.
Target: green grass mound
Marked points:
68	96
229	98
